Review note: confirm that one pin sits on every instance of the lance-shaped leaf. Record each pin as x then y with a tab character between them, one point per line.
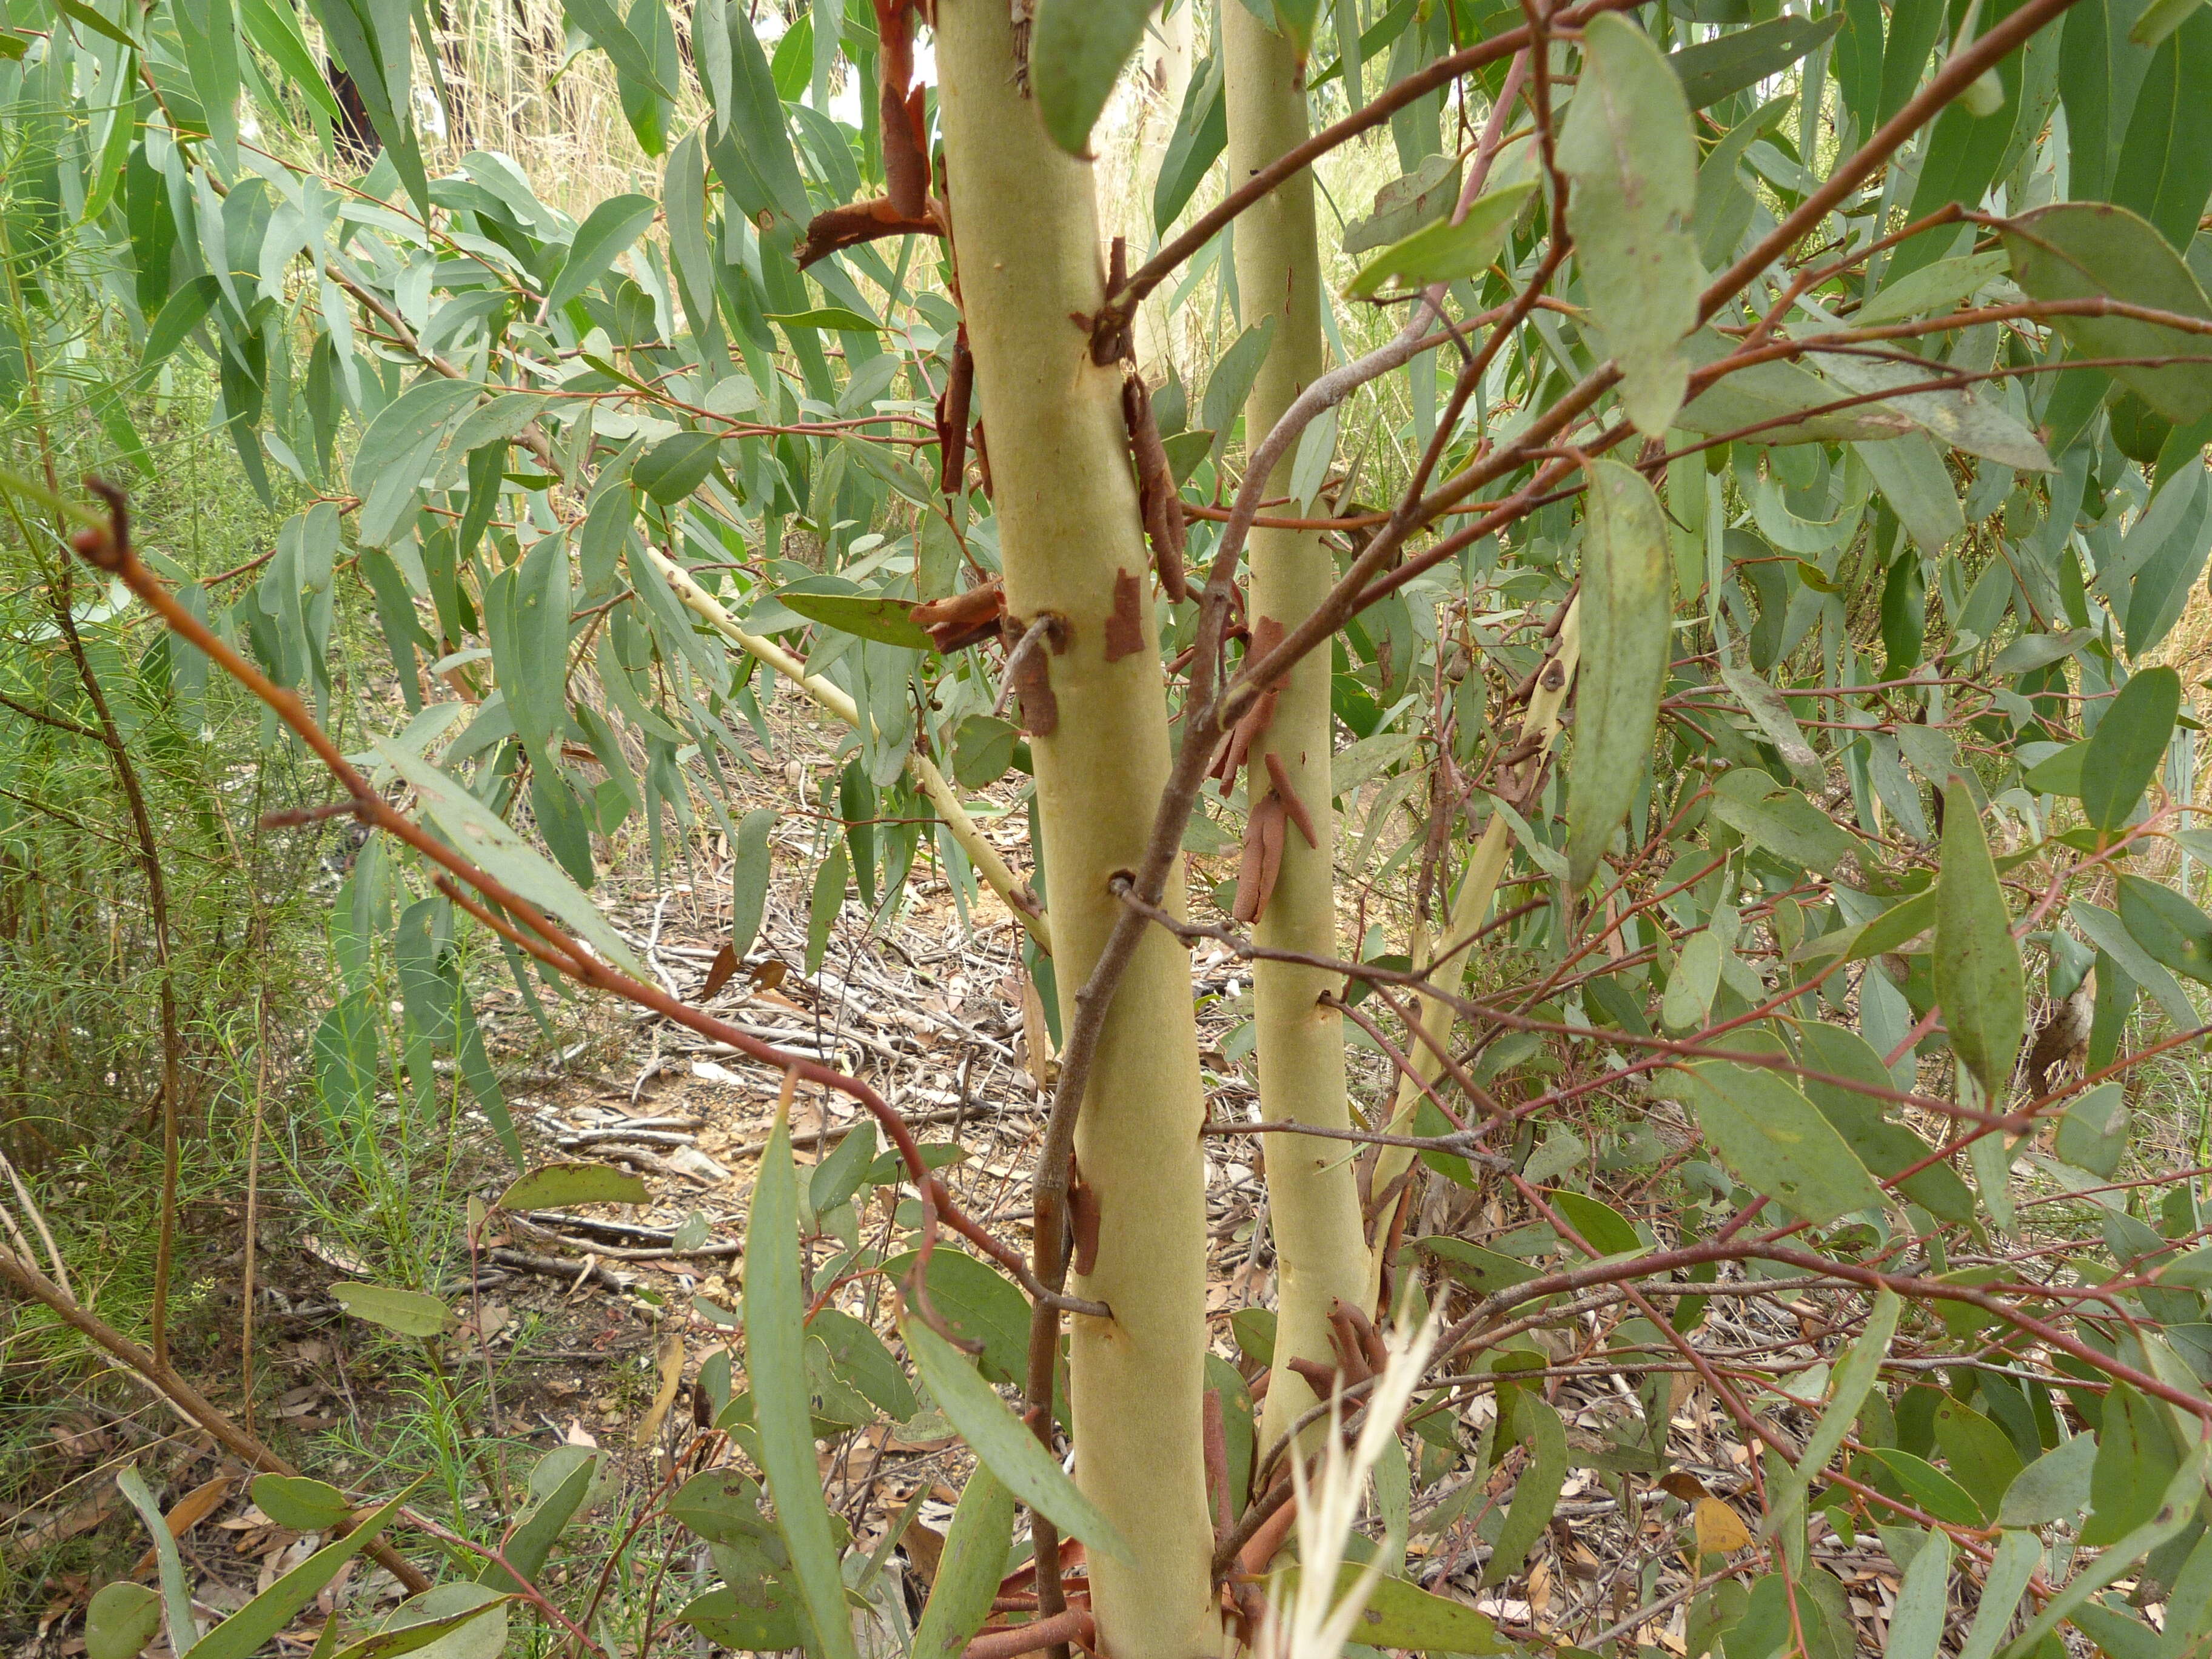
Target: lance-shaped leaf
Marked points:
1077	48
1711	70
2125	750
482	836
1202	133
1849	1385
268	1612
2088	250
609	229
1628	147
1773	1139
776	1356
1979	978
176	1593
1626	619
1006	1447
973	1562
1536	1493
1440	251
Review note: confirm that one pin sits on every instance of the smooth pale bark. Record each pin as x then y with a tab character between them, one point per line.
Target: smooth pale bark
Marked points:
1313	1200
1477	887
1025	240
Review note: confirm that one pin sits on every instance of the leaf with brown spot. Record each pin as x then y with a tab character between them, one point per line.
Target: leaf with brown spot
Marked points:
1125	627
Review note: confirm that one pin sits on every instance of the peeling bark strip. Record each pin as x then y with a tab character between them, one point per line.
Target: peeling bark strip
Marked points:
900	110
855	222
952	418
1263	856
1237	748
1156	495
1032	677
1083	1224
1125	627
1279	775
983	460
962	620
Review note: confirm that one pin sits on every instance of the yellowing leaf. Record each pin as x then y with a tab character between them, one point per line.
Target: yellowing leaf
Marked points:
1720	1530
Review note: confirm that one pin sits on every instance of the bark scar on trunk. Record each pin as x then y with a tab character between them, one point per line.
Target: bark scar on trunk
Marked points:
1125	627
1031	674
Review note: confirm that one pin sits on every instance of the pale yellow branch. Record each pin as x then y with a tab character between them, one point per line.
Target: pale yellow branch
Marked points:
1476	890
927	778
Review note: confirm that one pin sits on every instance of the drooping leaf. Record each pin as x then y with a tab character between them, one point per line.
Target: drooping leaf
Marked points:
1736	58
1628	148
559	1487
2165	168
2124	752
969	1570
775	1356
1077	48
1536	1493
1005	1446
183	312
1202	133
606	232
1885	1145
1916	1627
749	877
2173	931
1977	974
483	835
1626	617
675	467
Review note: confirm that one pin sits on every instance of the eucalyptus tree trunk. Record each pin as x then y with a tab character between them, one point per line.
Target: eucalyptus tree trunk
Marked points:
1026	252
1313	1200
